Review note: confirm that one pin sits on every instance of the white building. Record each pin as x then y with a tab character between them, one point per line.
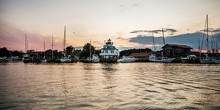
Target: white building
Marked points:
109	53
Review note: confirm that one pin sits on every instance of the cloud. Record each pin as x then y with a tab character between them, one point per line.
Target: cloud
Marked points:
134	5
191	39
216	30
169	30
14	39
121	38
125	8
139	31
142	39
209	29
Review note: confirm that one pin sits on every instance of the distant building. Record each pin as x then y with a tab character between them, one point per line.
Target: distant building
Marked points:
109	53
175	50
142	56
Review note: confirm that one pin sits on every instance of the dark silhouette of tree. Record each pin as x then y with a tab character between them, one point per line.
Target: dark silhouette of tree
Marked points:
86	50
130	51
17	53
70	50
4	52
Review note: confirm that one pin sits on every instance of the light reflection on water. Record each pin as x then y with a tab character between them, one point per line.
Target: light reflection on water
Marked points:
109	86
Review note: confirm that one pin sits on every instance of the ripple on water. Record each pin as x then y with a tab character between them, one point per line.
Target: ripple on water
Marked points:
152	91
77	106
135	86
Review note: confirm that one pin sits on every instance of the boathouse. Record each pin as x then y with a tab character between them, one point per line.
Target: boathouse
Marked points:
142	56
175	50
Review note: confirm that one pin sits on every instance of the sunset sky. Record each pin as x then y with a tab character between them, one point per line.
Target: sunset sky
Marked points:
99	20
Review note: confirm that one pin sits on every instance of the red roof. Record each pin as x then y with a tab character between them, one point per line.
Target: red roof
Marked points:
178	46
142	54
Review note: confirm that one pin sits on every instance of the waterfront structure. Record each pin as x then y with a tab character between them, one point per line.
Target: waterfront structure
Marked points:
141	57
170	52
175	50
109	53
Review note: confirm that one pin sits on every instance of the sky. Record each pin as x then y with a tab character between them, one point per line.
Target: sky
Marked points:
98	20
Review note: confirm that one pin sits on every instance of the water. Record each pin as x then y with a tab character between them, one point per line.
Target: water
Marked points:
132	86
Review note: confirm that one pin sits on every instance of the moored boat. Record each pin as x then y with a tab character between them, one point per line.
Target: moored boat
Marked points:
126	59
207	59
190	59
26	58
153	58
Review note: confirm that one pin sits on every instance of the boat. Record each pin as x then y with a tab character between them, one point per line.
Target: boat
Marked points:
109	53
44	60
26	58
206	59
126	59
154	58
65	59
93	59
190	59
216	61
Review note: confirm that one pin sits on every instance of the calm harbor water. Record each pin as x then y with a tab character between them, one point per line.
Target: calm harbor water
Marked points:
130	86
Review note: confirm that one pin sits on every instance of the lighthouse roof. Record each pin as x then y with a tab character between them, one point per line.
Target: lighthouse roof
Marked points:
107	47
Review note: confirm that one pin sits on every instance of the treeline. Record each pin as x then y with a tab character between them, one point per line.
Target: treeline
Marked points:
70	51
4	52
87	50
130	51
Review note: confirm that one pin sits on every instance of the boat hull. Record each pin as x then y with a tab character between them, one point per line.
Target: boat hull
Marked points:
206	61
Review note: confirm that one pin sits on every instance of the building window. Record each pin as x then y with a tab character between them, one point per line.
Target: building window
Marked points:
106	51
112	51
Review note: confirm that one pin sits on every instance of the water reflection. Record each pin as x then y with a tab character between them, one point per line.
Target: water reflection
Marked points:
110	86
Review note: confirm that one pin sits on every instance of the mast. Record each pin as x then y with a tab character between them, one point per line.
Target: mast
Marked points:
153	41
207	39
64	41
90	49
52	46
163	42
163	37
44	49
26	43
199	44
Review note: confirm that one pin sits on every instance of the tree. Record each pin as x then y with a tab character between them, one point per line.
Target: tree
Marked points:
130	51
88	50
70	50
4	52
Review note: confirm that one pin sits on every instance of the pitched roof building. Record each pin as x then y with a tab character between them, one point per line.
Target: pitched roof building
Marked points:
141	55
175	50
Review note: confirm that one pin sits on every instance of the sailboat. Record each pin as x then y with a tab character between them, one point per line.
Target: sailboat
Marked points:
154	58
44	60
92	58
26	58
207	59
65	59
